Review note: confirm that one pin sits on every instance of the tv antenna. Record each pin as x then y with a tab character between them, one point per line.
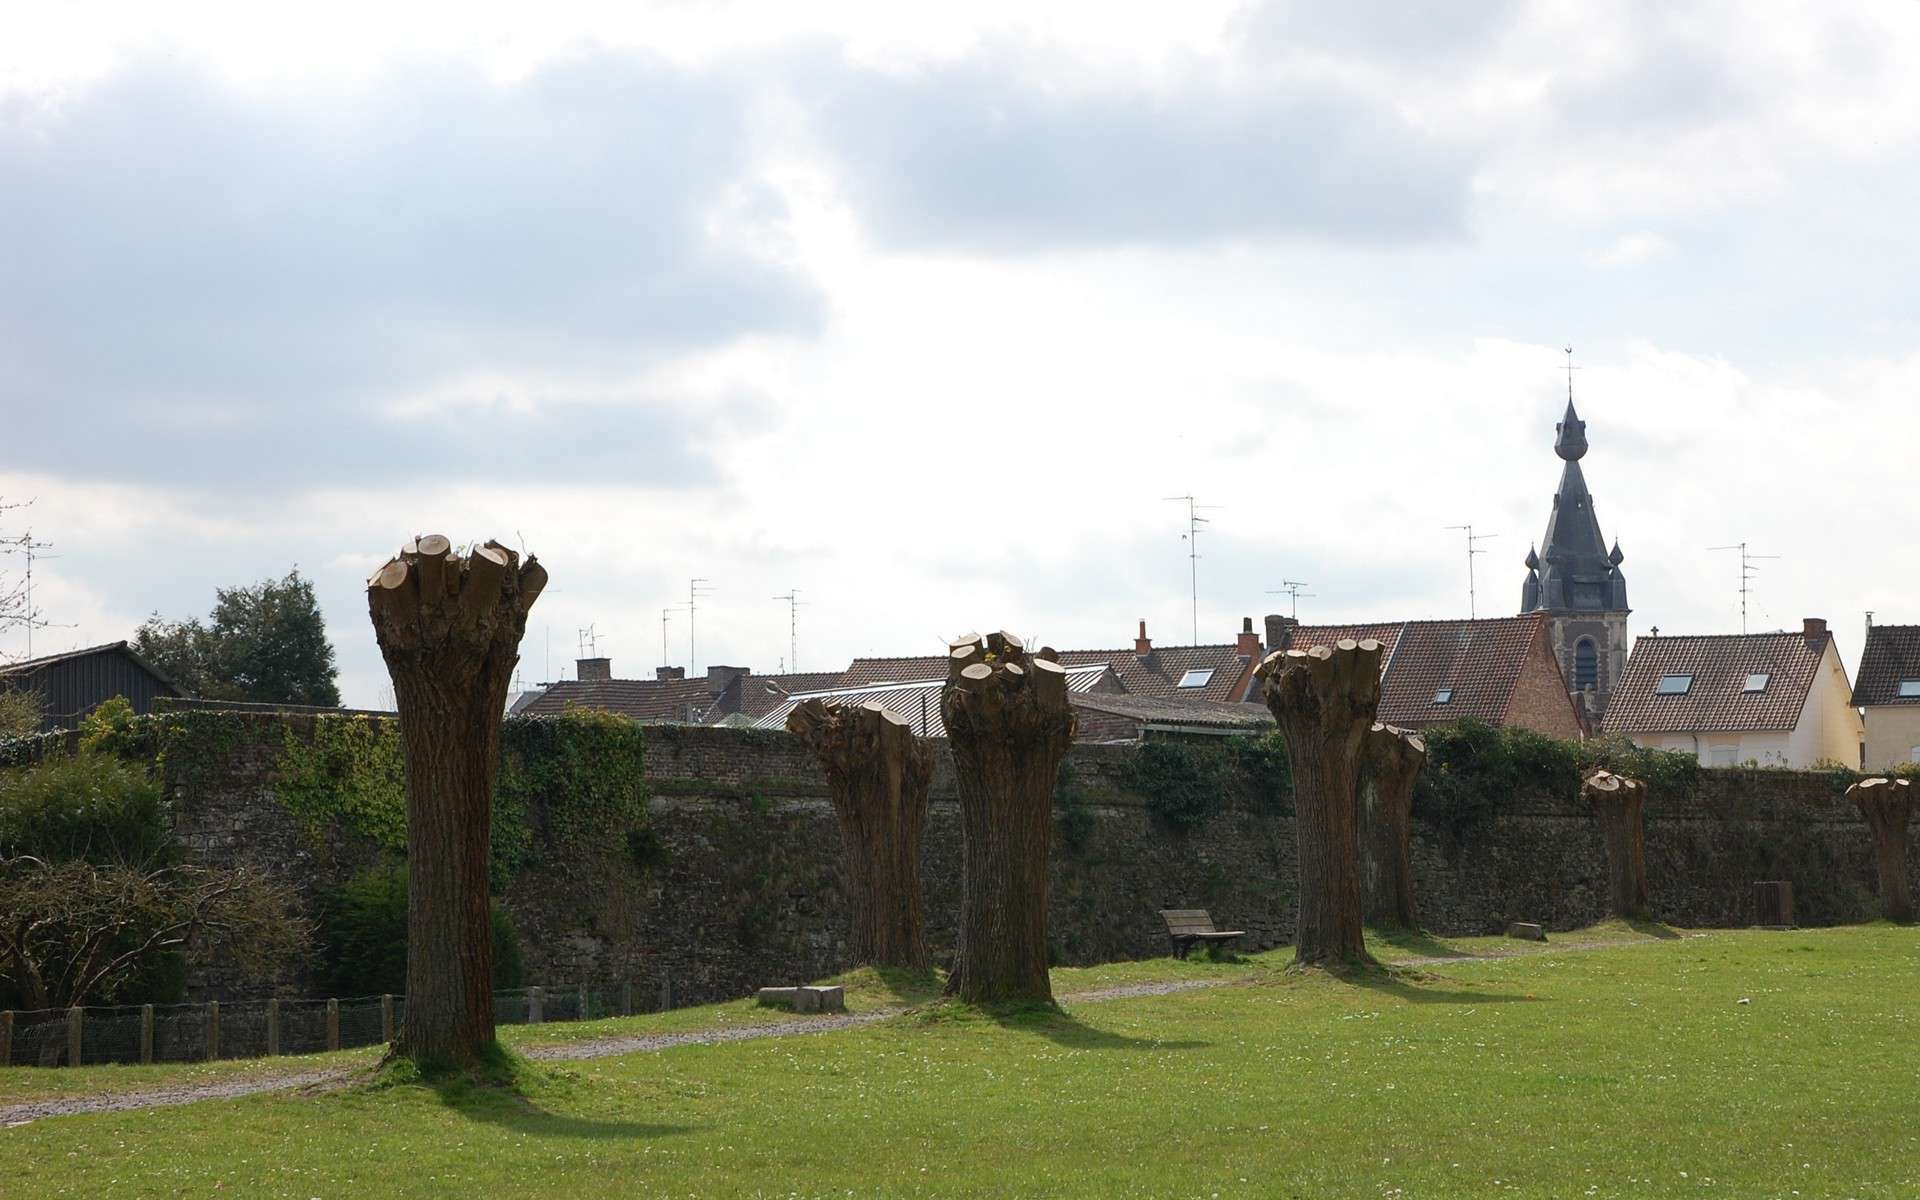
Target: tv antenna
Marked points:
696	588
1747	572
666	614
20	605
794	605
588	643
1192	538
1473	548
1290	588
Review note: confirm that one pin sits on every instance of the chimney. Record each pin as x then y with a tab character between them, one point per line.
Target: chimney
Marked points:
1141	646
665	673
1814	629
1249	644
593	670
1280	631
719	678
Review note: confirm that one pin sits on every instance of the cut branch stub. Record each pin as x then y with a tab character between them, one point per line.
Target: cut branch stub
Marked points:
1620	803
1887	805
1391	760
1324	700
877	774
449	629
1010	723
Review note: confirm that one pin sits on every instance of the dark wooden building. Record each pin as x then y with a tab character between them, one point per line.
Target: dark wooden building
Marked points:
71	685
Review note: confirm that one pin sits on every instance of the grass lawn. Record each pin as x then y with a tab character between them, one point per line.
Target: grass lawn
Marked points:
1632	1070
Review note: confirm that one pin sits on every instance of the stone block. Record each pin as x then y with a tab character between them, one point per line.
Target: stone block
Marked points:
1527	931
826	999
779	997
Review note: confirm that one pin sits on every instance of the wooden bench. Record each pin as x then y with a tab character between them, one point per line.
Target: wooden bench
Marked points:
1185	926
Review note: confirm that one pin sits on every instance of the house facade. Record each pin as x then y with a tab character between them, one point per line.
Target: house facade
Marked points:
1888	695
1770	699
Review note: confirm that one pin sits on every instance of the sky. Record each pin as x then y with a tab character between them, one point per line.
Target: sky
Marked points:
924	311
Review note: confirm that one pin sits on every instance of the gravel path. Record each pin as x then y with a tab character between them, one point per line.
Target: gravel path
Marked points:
32	1110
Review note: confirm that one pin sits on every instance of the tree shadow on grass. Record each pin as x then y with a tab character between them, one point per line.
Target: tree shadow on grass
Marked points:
519	1114
495	1091
1417	942
1648	928
1062	1028
1415	988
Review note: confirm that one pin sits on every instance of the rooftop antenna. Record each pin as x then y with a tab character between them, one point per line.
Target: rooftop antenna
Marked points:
1473	548
588	643
794	604
696	588
665	614
24	544
1747	572
1290	588
1192	538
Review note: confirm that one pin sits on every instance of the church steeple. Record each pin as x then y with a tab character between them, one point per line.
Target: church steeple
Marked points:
1574	570
1570	440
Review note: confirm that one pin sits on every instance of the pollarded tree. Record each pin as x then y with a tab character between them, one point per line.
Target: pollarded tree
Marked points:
1621	804
1887	804
877	773
1391	759
1324	700
1010	725
449	628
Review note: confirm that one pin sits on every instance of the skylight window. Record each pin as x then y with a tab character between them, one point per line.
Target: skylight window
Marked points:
1758	682
1443	696
1196	678
1909	688
1674	685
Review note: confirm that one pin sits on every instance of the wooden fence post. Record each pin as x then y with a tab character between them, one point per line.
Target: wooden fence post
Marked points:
583	1003
146	1033
213	1030
386	1016
76	1017
6	1039
533	1006
333	1024
626	998
273	1028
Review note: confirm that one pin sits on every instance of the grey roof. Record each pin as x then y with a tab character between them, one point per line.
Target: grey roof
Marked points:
1157	710
1576	572
917	700
29	665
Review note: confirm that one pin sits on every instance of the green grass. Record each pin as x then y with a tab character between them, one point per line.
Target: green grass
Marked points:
1632	1070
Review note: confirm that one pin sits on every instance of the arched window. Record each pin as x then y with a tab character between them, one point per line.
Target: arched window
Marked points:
1586	665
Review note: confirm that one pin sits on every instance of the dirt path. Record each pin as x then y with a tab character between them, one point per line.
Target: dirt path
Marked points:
63	1106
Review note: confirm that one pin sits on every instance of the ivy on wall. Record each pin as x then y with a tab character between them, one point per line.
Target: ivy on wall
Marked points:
1186	783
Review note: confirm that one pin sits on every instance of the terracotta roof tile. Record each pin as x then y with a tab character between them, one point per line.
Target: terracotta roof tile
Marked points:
1477	663
1716	698
1892	654
1157	674
682	700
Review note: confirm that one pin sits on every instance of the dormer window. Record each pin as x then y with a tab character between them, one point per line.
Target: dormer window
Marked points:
1909	688
1196	678
1757	682
1443	696
1674	685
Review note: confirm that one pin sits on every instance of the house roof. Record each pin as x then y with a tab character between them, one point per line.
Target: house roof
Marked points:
1177	711
26	666
761	694
917	700
1716	698
1477	663
1892	654
1158	673
636	699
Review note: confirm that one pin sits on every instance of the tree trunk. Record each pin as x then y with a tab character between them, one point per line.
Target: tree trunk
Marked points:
1621	805
1009	724
877	772
1324	700
1887	804
1390	761
449	629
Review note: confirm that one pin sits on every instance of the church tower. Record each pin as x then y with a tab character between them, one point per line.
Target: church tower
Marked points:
1576	580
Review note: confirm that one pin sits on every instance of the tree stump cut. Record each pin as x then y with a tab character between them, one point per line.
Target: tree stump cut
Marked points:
1391	759
449	628
1621	804
1009	724
877	774
1887	804
1324	701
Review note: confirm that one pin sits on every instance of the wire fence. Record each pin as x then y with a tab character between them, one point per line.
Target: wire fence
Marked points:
148	1033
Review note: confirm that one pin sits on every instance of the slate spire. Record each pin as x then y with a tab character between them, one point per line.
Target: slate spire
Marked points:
1573	570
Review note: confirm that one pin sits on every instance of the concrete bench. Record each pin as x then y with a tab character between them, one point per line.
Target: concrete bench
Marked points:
805	999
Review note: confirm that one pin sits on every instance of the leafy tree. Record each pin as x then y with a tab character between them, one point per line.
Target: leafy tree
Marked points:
88	807
363	936
265	643
20	712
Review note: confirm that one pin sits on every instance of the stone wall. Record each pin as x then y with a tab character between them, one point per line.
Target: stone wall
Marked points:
744	888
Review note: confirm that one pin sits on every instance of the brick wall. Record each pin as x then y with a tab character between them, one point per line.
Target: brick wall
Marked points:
1540	701
748	892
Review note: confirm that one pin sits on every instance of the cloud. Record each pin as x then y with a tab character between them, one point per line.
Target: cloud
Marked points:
1003	152
203	276
1630	249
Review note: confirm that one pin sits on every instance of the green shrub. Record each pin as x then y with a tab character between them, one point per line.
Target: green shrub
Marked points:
87	806
363	935
1474	770
1667	773
109	727
1184	782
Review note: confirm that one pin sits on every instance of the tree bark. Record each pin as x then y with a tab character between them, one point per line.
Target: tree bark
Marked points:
1621	805
1009	723
877	773
1324	701
450	628
1391	759
1887	804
